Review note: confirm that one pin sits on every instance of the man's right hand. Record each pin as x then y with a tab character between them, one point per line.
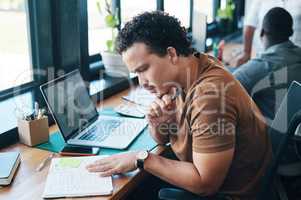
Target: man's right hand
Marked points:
162	112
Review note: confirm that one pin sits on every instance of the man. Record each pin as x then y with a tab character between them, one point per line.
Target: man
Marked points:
280	63
253	21
215	129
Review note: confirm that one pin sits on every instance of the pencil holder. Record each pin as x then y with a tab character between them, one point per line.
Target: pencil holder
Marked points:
33	132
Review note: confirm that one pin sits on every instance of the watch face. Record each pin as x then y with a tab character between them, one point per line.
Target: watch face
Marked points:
142	155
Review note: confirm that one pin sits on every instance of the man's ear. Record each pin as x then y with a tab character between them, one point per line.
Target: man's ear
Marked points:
172	55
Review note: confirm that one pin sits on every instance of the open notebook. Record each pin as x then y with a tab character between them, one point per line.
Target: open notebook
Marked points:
68	177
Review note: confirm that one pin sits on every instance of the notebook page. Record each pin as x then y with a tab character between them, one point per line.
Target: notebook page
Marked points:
68	177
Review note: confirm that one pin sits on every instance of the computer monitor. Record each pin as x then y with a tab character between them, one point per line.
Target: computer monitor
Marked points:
199	30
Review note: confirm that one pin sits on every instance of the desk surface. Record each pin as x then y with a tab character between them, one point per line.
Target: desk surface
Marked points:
29	184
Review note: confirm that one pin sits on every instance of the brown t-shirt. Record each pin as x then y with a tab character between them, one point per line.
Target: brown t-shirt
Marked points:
216	114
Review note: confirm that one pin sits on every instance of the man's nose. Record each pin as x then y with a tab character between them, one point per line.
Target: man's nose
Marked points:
142	80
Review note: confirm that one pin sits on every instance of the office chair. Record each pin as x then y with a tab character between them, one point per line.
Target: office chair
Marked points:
282	131
291	165
179	194
271	179
268	93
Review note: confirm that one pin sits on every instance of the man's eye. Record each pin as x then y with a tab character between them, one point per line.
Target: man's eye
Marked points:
142	70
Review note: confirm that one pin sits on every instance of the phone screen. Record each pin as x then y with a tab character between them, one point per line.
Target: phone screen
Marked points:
78	150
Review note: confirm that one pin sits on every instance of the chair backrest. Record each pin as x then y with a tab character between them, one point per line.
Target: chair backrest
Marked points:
270	90
282	129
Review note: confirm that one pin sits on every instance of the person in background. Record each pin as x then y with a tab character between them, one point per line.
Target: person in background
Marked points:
215	130
280	62
253	22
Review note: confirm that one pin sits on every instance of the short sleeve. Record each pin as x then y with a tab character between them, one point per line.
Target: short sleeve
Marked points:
213	119
252	17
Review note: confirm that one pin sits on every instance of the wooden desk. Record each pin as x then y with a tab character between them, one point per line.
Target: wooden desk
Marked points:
29	184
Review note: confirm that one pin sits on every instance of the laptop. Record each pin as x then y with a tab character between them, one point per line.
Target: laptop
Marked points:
78	120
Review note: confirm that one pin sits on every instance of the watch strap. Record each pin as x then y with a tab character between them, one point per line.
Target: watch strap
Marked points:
140	164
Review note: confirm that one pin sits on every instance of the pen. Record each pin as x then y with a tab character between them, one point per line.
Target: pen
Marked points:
41	113
29	117
44	162
36	109
173	98
133	102
176	94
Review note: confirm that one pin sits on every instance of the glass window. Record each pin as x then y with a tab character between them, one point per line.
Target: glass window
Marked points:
130	8
179	9
98	33
15	58
206	7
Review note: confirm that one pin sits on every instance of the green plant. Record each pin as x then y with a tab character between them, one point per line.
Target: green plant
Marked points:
227	12
111	21
225	18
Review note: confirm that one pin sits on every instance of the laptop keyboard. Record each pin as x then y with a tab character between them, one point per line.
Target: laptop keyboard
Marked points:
101	130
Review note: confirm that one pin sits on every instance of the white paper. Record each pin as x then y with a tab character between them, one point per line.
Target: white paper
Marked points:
68	177
140	96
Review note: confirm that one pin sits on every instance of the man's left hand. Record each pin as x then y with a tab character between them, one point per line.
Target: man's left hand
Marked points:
116	164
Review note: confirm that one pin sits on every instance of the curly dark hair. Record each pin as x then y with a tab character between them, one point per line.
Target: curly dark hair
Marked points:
158	31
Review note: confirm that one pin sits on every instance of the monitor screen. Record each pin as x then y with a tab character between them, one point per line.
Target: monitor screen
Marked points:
70	103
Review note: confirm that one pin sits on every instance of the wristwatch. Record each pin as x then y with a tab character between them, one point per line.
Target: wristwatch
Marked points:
140	158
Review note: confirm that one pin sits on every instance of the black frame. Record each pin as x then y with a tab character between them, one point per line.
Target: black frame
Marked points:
7	93
38	13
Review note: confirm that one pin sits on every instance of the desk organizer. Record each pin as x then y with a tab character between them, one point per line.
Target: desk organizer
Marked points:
33	132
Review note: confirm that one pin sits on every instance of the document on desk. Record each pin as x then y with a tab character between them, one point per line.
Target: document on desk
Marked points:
140	96
68	177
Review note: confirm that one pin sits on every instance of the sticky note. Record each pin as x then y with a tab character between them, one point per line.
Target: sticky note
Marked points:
69	163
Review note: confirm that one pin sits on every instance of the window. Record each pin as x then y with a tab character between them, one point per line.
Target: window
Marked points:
97	33
15	65
180	9
130	8
207	7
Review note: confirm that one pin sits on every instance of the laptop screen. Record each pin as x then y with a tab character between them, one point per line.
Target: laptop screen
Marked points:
70	103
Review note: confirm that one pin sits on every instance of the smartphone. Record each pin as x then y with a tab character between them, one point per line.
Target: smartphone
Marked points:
69	150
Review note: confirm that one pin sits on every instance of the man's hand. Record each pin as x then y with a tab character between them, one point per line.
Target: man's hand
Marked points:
116	164
162	110
161	114
248	38
242	58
